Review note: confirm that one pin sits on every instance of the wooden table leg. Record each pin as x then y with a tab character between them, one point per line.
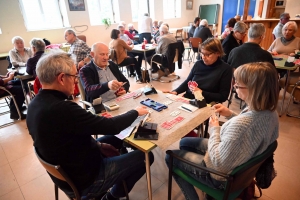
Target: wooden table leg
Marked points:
148	175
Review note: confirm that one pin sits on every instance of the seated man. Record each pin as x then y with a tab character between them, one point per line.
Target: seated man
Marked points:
162	47
128	33
16	89
132	31
38	49
78	48
202	31
193	27
61	131
102	78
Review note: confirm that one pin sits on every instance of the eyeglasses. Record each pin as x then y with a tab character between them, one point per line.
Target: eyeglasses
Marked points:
244	33
76	77
239	87
206	54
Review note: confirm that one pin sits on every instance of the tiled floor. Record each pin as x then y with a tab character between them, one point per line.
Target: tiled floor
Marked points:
23	177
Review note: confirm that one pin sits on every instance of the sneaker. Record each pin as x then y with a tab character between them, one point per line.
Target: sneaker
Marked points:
108	196
132	75
14	115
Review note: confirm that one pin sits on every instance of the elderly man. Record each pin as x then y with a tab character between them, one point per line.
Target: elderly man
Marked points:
162	47
102	78
125	31
145	28
38	49
19	54
203	31
193	28
251	51
277	31
61	131
78	47
234	39
131	30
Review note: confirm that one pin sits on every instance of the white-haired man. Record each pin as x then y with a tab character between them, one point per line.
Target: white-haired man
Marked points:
203	31
61	131
78	48
162	46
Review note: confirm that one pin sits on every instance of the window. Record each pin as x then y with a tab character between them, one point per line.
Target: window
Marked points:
172	9
139	7
100	9
44	14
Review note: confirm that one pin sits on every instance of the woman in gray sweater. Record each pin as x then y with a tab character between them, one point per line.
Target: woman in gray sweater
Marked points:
242	137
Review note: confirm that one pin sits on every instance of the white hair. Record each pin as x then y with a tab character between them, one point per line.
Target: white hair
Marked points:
164	28
204	22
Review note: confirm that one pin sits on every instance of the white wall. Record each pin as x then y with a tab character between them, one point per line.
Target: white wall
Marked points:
292	7
12	24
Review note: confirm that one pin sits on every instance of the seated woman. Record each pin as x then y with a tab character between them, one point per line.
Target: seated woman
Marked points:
242	137
121	49
212	75
288	43
19	54
229	27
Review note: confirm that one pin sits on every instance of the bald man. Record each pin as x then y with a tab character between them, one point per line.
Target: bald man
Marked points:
101	77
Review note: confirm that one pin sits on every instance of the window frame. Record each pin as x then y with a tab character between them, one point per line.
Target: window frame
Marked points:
176	11
61	9
150	10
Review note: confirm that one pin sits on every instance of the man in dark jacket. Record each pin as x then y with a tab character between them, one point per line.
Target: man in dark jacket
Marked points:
251	51
234	39
61	131
38	49
102	78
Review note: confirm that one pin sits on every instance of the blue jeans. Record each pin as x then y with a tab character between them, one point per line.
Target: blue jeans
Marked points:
193	149
129	167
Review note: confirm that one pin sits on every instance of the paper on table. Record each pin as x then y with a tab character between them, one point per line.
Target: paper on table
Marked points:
188	108
125	133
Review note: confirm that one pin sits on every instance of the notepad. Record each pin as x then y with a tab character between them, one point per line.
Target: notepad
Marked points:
188	108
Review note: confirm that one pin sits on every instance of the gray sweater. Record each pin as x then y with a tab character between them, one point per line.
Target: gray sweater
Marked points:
241	138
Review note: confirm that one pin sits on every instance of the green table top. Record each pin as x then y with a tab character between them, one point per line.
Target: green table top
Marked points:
280	63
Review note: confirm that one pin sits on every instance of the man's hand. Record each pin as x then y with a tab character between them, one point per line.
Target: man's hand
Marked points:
274	53
224	111
142	110
80	64
121	91
11	75
108	151
114	85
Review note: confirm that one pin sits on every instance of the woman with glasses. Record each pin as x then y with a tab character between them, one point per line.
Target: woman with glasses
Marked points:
242	137
234	39
212	75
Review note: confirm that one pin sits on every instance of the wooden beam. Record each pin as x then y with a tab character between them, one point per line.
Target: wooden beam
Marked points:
246	8
260	8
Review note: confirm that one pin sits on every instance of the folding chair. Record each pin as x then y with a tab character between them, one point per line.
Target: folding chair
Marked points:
237	180
195	43
7	97
178	35
82	37
175	49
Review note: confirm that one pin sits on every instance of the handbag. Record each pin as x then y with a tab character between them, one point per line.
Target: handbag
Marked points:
145	76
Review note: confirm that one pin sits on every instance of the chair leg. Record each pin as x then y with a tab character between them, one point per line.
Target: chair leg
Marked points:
125	189
56	192
170	178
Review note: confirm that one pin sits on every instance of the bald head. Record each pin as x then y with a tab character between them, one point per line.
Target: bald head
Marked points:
100	53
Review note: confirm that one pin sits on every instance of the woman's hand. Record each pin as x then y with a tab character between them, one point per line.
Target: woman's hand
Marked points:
274	53
194	89
170	92
213	122
224	111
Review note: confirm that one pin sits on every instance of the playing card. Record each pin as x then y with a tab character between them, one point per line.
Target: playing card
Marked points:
167	102
175	113
179	119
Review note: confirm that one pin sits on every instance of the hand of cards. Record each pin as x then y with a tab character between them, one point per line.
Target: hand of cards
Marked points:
192	84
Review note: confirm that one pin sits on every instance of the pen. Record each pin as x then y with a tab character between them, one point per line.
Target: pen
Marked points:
124	83
186	108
